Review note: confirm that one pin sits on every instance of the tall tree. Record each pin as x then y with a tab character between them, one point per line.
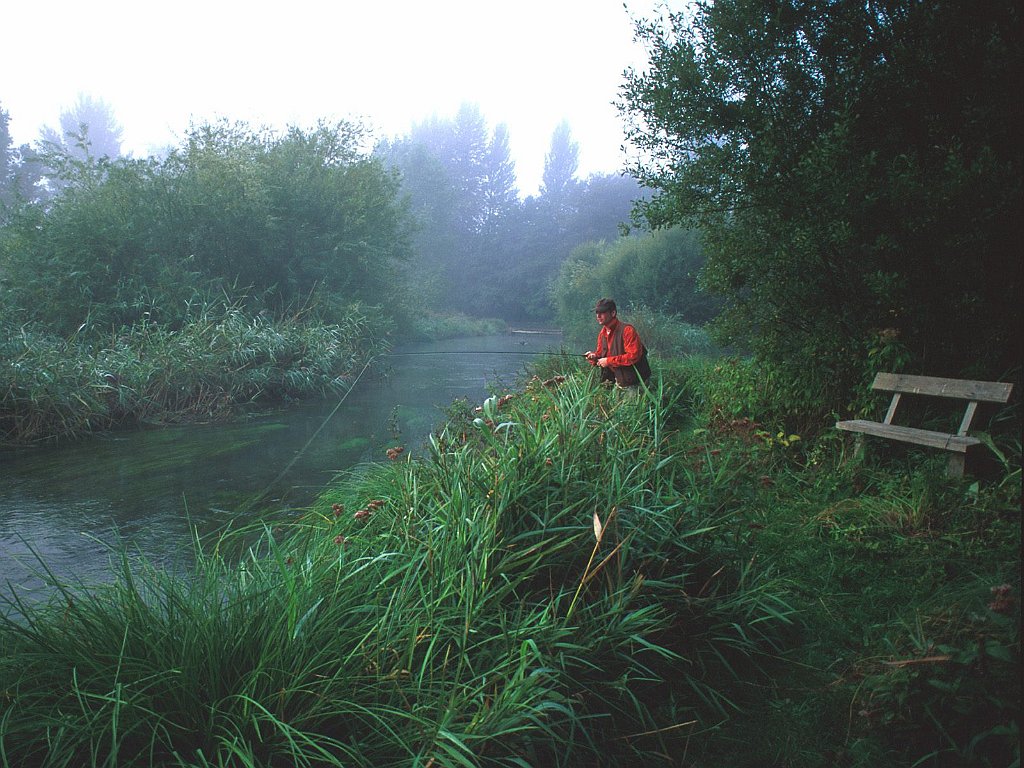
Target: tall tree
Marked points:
499	196
88	129
8	162
430	195
461	181
856	168
560	165
479	248
20	169
604	204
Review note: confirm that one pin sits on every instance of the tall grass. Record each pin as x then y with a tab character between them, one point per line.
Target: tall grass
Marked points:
534	590
220	358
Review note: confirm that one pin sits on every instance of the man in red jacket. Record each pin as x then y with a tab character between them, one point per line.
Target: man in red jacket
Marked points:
620	354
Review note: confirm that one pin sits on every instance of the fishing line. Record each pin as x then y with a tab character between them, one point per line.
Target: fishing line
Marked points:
370	362
309	442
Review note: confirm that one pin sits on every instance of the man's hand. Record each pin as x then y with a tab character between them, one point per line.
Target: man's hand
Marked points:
591	356
603	362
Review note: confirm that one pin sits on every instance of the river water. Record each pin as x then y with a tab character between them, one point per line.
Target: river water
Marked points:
69	509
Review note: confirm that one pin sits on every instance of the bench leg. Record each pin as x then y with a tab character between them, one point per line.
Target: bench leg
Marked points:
955	468
858	446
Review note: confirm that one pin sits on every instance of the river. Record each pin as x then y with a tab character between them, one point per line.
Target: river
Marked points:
72	507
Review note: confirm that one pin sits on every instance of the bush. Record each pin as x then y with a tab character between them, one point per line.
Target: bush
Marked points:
267	219
427	326
655	274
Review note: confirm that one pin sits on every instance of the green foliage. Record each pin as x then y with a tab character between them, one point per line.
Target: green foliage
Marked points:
855	170
430	325
563	578
87	129
904	580
459	179
219	359
667	335
745	388
89	258
285	214
659	271
266	217
653	279
463	608
561	165
478	248
9	163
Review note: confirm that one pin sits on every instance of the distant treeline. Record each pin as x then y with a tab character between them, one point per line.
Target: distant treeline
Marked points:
429	223
271	219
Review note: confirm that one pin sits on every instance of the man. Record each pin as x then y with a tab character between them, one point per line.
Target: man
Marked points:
620	354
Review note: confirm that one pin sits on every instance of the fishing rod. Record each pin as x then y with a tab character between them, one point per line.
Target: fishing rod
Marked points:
482	352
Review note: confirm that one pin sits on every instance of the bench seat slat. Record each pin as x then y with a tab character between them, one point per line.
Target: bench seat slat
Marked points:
949	442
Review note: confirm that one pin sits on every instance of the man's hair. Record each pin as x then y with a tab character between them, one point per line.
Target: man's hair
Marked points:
605	305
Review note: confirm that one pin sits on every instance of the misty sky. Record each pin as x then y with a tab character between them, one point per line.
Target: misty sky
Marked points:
530	64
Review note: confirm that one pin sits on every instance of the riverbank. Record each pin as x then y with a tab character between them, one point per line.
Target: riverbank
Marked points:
216	362
566	579
148	490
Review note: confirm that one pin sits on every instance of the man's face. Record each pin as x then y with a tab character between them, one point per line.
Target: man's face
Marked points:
605	317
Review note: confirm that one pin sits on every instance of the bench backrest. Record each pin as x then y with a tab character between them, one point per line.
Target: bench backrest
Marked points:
962	389
979	391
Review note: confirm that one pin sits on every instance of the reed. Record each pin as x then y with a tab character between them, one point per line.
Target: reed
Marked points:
454	608
219	359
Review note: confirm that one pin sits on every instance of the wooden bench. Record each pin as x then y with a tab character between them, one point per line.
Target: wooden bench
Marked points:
958	444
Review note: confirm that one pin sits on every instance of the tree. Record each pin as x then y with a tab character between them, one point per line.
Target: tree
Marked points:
856	170
656	272
262	217
89	138
20	169
9	162
8	159
604	201
88	129
286	213
461	182
499	196
430	196
560	165
479	248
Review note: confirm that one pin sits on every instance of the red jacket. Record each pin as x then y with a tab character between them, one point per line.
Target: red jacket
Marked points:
630	340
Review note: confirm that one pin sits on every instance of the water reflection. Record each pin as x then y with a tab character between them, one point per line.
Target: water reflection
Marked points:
150	490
